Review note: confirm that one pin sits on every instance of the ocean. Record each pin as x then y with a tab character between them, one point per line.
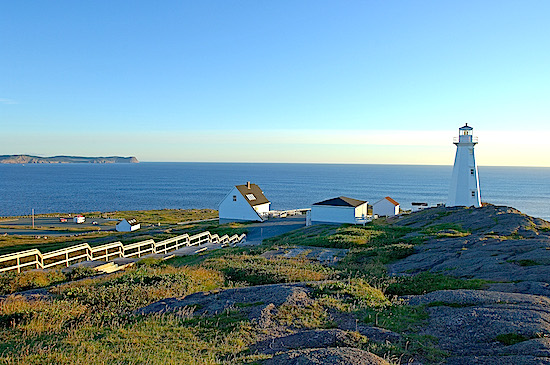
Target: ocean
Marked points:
72	188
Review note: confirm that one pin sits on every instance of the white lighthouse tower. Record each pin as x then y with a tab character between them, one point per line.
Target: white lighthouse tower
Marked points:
464	189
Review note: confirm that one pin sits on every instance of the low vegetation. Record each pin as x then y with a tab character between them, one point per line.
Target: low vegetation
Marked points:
92	320
163	216
17	243
168	219
257	270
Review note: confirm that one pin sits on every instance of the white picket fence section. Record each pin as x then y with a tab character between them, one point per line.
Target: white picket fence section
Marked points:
66	256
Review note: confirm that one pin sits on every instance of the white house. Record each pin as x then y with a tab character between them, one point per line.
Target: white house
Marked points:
128	225
339	210
385	207
79	219
244	203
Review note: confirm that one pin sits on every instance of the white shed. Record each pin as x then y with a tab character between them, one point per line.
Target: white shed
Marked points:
244	203
128	225
339	210
385	207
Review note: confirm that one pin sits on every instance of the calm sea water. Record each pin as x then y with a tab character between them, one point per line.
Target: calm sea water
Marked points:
109	187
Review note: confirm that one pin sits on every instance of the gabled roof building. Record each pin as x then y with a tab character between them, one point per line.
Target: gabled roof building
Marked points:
339	210
128	225
244	203
385	207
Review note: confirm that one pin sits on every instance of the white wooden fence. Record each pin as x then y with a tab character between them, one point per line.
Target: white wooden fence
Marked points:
34	259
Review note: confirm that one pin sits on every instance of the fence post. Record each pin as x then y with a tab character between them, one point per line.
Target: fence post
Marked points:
18	263
67	259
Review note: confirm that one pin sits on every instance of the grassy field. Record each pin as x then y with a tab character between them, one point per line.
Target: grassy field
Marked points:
164	216
91	321
168	218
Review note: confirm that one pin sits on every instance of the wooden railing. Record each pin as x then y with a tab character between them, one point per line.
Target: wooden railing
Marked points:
34	259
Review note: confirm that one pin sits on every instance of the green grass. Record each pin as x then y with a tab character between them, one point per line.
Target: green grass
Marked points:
92	320
257	270
397	317
525	262
12	282
16	243
427	282
511	338
349	295
446	230
163	216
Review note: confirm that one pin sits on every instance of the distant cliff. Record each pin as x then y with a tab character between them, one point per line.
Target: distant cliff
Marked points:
65	159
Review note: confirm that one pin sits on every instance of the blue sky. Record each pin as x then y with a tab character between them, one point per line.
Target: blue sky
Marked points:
277	81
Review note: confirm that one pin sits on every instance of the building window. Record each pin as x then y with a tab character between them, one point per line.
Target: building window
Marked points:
473	193
234	198
471	171
250	196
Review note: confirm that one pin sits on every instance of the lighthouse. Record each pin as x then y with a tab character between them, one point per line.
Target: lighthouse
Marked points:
464	189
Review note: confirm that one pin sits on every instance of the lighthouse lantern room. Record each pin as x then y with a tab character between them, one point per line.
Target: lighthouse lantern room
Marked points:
464	190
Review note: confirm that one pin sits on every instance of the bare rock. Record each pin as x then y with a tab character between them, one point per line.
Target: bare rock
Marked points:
470	323
256	301
304	340
498	360
327	356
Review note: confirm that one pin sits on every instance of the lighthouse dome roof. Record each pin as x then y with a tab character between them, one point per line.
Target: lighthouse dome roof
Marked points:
466	128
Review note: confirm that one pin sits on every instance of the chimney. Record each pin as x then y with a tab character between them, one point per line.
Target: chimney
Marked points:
248	185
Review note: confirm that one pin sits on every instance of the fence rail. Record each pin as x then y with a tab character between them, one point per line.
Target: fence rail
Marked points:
84	252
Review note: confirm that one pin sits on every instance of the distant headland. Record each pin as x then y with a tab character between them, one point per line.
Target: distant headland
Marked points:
14	159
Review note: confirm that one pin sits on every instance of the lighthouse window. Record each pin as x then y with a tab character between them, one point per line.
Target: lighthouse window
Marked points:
471	171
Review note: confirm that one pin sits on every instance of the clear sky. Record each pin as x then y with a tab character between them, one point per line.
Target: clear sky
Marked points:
276	81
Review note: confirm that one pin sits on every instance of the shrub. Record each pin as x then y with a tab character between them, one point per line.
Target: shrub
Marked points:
123	293
13	282
80	272
257	270
351	294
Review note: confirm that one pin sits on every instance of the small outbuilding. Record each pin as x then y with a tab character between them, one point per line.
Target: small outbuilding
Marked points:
244	203
128	225
416	206
79	219
339	210
386	207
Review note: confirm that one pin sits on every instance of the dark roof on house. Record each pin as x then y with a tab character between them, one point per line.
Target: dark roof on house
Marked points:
341	201
132	221
257	196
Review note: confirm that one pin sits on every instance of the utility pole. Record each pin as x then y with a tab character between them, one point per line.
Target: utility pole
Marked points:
32	218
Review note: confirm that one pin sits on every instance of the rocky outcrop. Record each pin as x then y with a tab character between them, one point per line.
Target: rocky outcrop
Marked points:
502	245
488	220
340	356
509	322
488	326
289	344
506	323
